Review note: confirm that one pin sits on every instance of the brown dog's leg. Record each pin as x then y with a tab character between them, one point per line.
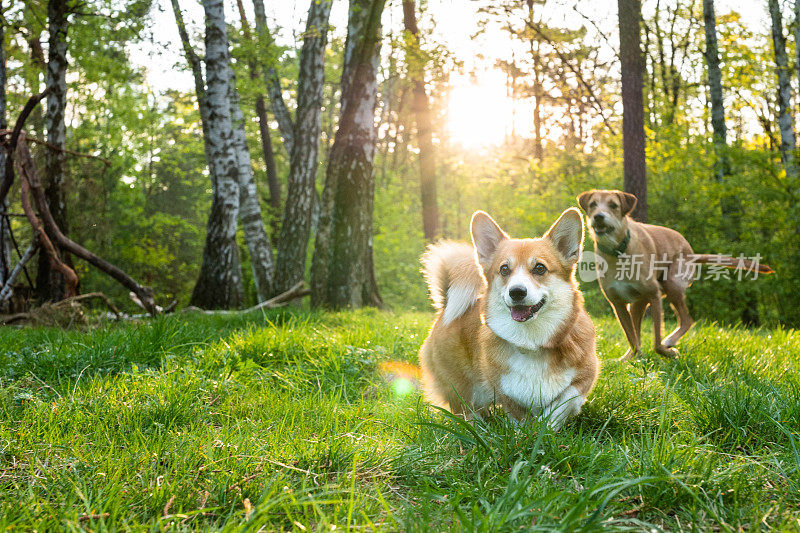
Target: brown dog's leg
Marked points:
625	320
657	313
677	297
637	313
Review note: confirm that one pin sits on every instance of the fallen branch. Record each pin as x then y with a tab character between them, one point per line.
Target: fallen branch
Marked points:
33	313
5	293
297	291
10	319
98	296
29	176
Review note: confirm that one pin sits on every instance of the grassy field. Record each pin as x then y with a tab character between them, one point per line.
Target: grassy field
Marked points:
283	421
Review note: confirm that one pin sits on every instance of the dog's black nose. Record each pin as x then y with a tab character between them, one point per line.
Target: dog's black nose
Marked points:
599	217
517	293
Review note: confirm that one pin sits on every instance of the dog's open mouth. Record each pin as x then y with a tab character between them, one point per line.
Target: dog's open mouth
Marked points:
521	313
601	229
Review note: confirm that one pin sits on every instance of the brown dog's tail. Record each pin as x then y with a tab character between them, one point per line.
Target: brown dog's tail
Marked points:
735	263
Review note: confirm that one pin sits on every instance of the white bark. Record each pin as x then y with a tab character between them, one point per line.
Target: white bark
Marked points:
50	283
279	109
196	64
784	92
296	222
219	284
255	235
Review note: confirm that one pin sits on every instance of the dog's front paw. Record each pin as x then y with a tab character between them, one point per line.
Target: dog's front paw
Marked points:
667	351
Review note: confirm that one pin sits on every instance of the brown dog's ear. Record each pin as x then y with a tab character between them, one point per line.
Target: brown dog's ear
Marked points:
566	234
627	201
583	200
486	237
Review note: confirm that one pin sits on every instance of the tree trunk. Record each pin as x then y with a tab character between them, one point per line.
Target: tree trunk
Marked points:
279	109
5	237
715	90
195	63
255	235
350	274
263	128
269	158
797	35
633	139
50	283
322	241
538	147
729	204
296	222
422	112
220	284
784	93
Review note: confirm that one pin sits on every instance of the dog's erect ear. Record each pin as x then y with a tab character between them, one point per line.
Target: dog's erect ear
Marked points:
567	235
627	201
486	237
583	200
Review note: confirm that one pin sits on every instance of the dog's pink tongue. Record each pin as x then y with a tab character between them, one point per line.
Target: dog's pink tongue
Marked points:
521	313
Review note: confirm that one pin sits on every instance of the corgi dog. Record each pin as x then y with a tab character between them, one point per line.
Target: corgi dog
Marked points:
511	327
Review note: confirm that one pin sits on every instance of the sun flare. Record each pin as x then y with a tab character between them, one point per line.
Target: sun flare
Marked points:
480	113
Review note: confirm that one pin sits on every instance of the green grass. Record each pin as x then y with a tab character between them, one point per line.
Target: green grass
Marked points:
282	421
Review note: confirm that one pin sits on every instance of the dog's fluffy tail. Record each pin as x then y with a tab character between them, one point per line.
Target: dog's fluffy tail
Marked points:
453	277
735	263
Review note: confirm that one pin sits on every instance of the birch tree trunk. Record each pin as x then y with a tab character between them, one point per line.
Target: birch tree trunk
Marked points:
196	64
249	209
50	283
273	84
350	272
219	284
784	93
255	235
797	36
5	237
296	222
422	113
633	139
263	127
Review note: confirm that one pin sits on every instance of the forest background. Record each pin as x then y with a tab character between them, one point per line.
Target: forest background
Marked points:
524	112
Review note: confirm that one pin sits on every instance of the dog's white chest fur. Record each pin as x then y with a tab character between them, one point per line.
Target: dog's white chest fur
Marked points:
529	381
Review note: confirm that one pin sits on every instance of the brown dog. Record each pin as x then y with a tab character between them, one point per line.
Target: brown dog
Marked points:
645	263
511	326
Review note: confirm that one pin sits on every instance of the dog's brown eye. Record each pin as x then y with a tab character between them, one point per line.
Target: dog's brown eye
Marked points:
592	205
539	269
613	205
504	270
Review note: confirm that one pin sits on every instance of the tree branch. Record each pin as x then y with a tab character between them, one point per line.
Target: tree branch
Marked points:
5	294
297	291
30	179
597	104
12	142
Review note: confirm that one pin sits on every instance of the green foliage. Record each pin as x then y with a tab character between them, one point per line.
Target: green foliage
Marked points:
146	211
283	421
